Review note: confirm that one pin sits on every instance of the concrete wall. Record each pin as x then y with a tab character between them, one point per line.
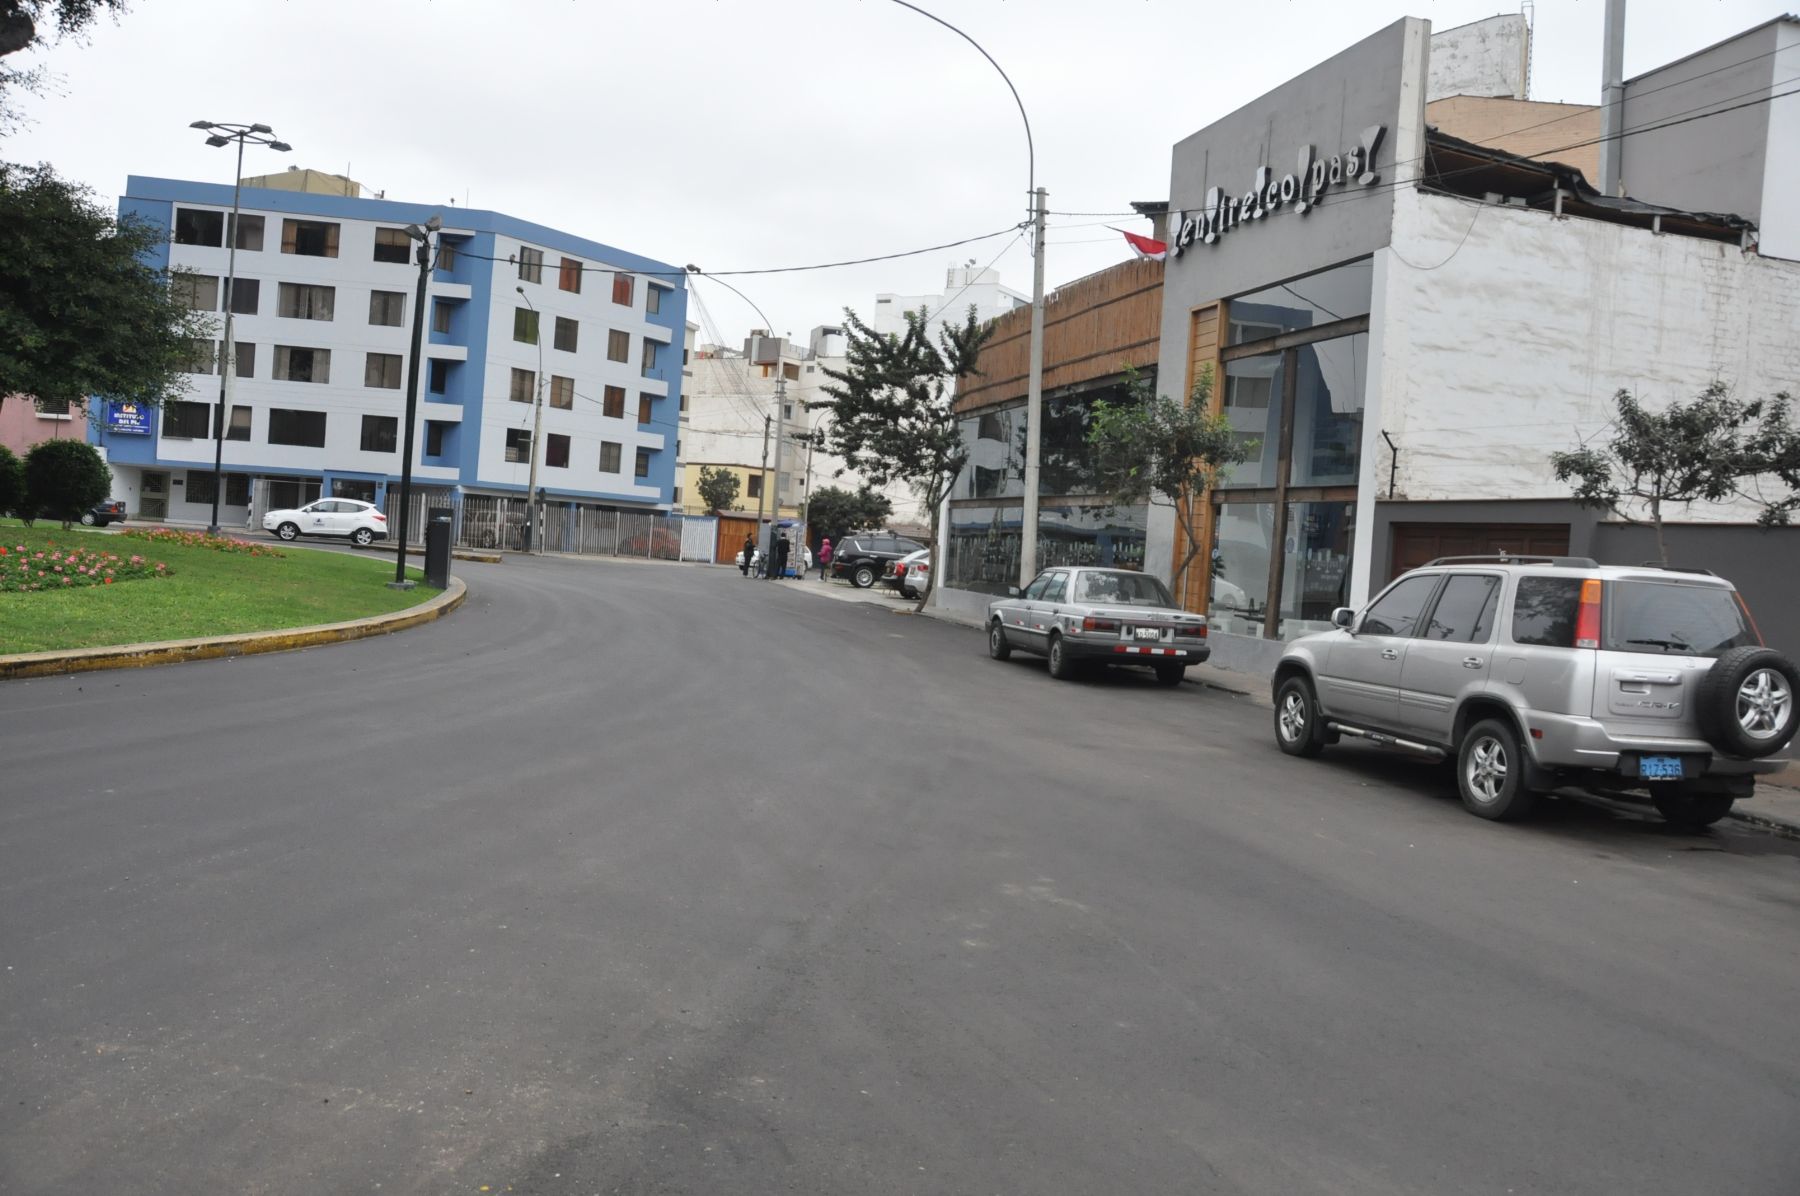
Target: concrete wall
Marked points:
1763	563
1780	224
1505	333
1483	58
23	425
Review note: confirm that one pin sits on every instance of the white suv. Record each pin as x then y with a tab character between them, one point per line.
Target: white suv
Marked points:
1538	672
359	522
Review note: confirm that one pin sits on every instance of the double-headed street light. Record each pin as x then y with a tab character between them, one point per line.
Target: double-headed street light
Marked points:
422	234
221	134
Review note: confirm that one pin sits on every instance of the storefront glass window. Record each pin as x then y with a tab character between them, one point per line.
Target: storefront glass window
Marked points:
984	541
995	440
1336	294
1253	405
1315	570
1328	410
1240	567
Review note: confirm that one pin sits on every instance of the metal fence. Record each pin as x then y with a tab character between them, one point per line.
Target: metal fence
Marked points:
491	522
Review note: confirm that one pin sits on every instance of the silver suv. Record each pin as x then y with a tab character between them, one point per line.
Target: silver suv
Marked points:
1534	673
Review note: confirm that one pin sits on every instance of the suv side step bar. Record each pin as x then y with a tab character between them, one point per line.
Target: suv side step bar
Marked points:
1436	753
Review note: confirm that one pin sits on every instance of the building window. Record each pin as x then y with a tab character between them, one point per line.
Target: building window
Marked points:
200	488
440	317
309	238
382	370
790	371
391	245
612	405
244	296
290	426
531	264
294	364
446	255
556	451
618	345
569	276
250	236
609	457
200	292
185	421
387	308
524	386
58	408
623	285
525	325
644	404
244	362
753	486
434	437
240	424
518	446
439	380
195	227
643	463
653	298
684	401
298	301
562	391
200	358
566	334
650	348
379	433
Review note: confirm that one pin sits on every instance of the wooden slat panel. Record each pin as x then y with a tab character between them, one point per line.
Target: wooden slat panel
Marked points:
1205	338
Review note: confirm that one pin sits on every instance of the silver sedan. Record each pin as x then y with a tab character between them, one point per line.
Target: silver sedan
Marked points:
1098	616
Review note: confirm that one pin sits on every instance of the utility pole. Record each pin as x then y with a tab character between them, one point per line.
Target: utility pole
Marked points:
537	428
780	439
1034	400
762	478
421	234
1612	97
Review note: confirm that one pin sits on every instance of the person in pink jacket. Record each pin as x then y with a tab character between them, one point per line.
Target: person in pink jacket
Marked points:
824	557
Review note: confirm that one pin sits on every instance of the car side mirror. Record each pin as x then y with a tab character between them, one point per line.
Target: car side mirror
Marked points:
1012	591
1343	617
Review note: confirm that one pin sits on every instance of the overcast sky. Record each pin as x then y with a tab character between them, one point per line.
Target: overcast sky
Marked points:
749	133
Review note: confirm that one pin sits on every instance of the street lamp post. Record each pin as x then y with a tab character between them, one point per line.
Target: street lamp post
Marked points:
421	234
220	134
537	426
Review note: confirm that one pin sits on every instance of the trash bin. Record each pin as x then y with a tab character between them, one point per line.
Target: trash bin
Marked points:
437	547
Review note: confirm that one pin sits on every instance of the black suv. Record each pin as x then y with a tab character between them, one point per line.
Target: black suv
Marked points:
862	558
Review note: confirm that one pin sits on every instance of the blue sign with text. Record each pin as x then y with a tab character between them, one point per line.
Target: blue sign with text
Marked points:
132	419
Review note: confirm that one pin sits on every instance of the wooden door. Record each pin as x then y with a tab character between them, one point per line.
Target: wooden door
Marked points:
731	538
1416	543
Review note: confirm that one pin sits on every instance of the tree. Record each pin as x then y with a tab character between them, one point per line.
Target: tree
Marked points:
1151	449
63	478
834	512
81	311
891	405
20	28
718	488
12	482
1704	451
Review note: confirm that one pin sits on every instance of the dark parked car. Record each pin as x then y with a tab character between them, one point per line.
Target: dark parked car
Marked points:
863	558
103	513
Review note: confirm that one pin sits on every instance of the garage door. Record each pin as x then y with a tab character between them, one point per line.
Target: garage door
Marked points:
1416	543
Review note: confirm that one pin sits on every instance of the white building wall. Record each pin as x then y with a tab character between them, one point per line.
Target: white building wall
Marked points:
1505	333
963	286
1781	167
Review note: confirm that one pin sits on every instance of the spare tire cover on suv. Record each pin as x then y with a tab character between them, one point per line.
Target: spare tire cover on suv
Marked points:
1747	704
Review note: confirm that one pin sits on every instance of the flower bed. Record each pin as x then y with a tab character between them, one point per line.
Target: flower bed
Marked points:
23	570
168	535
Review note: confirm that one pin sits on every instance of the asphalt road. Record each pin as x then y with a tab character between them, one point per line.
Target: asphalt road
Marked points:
639	878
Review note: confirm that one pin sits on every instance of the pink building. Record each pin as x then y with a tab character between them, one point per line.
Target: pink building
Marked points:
23	423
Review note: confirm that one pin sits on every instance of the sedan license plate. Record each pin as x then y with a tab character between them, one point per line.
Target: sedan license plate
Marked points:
1659	768
1148	633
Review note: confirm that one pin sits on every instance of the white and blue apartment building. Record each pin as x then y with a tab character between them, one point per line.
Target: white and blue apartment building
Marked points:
322	320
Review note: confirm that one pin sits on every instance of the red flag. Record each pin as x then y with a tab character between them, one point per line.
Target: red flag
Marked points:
1143	246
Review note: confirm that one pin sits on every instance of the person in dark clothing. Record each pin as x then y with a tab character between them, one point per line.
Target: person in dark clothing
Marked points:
749	551
781	555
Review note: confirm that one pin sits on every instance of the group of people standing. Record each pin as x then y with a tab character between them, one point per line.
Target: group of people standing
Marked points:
781	551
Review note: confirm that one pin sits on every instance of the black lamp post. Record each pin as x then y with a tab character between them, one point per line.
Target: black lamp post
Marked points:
221	135
421	234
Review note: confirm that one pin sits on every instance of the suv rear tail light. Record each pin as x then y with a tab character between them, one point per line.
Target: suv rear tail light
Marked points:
378	516
1587	616
1742	605
1092	624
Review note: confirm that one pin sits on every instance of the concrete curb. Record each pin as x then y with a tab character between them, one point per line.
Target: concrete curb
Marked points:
133	656
481	556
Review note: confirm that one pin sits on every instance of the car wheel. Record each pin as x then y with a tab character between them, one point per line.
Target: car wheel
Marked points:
1299	731
863	577
1746	704
998	648
362	537
288	531
1170	675
1692	811
1490	772
87	518
1062	665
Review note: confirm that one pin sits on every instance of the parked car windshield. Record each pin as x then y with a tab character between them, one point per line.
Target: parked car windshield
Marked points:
1122	589
1684	620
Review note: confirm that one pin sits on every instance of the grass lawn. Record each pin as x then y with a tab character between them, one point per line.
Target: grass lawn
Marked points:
207	592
